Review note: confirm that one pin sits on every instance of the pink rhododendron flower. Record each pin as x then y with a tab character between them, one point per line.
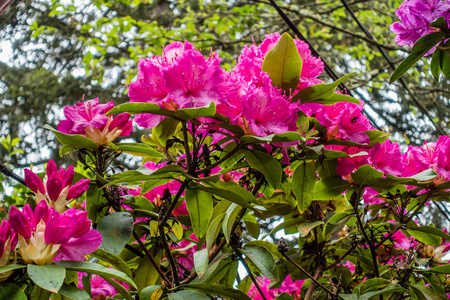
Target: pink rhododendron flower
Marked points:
8	241
387	158
418	159
45	235
415	18
443	157
56	189
371	197
88	118
346	165
288	286
250	61
181	78
100	288
267	111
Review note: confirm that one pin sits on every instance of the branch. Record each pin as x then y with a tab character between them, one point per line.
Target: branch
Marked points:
249	272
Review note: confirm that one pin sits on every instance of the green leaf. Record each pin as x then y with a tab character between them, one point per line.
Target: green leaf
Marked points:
436	64
425	293
305	228
284	64
74	140
439	23
408	62
72	292
116	230
267	165
445	60
428	40
139	149
366	175
376	137
335	223
165	130
187	295
319	91
201	261
428	235
12	267
336	98
200	206
48	277
152	108
444	269
11	291
265	244
228	220
114	260
147	292
146	274
329	188
263	259
303	182
230	191
388	290
285	224
219	290
213	230
91	268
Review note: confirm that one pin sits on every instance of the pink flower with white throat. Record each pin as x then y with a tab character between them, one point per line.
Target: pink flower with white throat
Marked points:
45	235
88	118
56	188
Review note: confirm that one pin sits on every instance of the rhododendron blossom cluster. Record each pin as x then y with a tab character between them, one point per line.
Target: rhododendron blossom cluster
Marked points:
45	235
229	151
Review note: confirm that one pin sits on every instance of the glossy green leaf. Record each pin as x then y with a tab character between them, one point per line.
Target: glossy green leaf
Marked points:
201	261
200	206
271	247
187	295
387	290
376	137
219	290
425	293
213	230
48	277
428	235
436	64
303	182
92	268
408	62
146	274
112	259
74	140
366	175
329	188
165	130
430	39
72	292
439	23
284	64
229	219
139	149
305	228
267	165
151	108
263	259
11	291
12	267
335	98
147	292
230	191
116	230
319	91
445	60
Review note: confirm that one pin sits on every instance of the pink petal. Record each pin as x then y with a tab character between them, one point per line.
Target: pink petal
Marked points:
19	223
78	189
77	248
54	188
34	182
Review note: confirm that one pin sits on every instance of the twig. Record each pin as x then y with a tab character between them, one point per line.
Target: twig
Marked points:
173	264
320	269
312	286
152	260
249	272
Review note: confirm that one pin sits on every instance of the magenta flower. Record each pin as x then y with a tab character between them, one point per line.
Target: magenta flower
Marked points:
266	110
45	234
415	18
100	288
250	61
418	159
288	286
181	78
56	189
8	241
387	158
88	118
443	157
346	165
